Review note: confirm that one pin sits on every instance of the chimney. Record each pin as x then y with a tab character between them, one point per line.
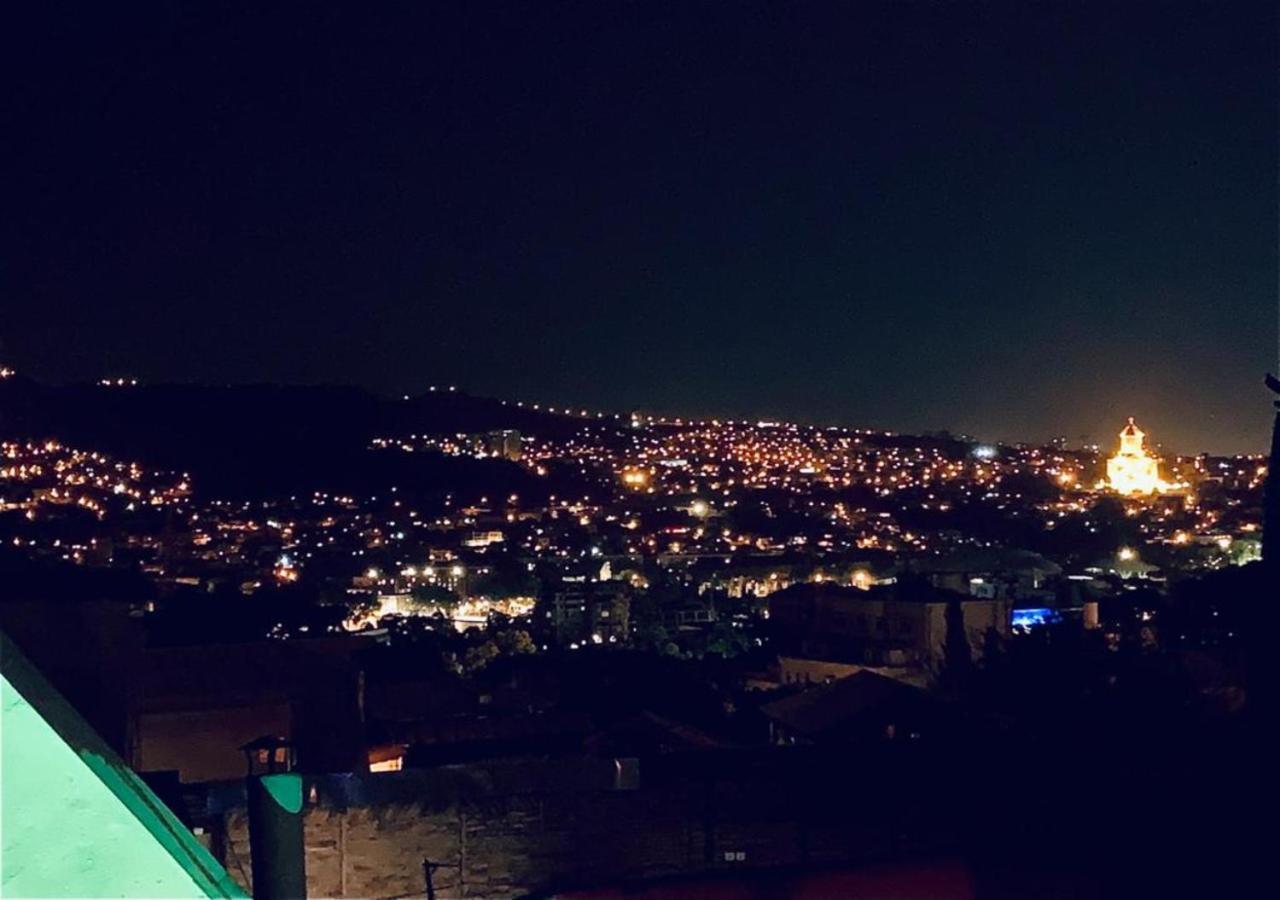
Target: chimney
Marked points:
275	820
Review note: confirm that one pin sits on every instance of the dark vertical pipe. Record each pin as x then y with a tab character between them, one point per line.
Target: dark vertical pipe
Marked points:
1271	497
275	836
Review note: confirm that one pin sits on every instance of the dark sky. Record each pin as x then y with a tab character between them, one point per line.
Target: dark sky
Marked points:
1015	220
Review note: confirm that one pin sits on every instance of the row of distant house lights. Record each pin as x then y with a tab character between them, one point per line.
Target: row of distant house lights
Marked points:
412	572
637	420
6	372
551	409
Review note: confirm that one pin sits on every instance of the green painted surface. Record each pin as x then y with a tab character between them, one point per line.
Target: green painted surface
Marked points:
75	821
286	790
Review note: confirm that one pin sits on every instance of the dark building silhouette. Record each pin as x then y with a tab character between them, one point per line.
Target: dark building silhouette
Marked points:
1271	501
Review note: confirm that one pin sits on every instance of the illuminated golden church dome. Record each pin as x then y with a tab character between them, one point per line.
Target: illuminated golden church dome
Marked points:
1133	470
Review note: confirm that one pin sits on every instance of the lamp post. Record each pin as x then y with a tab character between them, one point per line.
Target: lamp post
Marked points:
275	820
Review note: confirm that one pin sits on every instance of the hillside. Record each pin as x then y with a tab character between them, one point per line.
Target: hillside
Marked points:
257	440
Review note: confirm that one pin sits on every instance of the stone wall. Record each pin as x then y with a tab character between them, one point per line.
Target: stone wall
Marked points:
492	846
507	833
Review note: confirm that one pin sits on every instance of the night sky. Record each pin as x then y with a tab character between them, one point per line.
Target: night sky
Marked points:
1016	221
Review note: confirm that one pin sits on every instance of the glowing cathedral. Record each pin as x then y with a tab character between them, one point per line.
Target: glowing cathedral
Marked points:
1133	470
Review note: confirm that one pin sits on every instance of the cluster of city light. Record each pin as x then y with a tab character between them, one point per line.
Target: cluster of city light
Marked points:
53	473
47	479
648	470
668	490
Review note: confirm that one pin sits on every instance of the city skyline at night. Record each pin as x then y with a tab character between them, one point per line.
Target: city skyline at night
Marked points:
507	449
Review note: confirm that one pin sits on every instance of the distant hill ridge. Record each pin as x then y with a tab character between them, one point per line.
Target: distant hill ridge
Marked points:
249	440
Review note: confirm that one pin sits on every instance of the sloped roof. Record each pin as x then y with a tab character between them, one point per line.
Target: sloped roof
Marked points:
829	706
77	822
